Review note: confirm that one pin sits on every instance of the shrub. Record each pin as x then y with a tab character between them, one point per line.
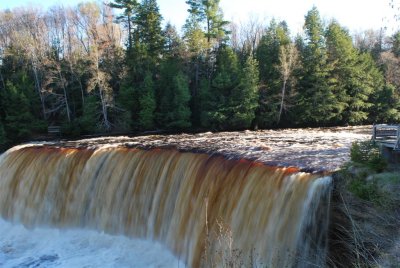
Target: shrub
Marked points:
366	190
368	154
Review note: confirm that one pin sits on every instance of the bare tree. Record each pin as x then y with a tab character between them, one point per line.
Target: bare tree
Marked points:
288	59
27	39
251	33
391	64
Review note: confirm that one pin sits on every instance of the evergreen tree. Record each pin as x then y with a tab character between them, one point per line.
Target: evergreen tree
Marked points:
317	104
174	46
128	101
386	106
148	32
396	44
88	122
208	13
147	103
269	55
19	121
129	10
342	60
147	43
216	97
173	96
3	138
243	101
180	114
353	77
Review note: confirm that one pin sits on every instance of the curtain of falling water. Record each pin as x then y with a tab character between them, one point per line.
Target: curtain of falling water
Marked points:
208	210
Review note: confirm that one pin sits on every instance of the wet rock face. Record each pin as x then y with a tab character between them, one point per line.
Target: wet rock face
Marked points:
321	149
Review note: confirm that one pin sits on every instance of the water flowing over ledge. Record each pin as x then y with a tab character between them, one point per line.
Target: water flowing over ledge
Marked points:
317	149
204	208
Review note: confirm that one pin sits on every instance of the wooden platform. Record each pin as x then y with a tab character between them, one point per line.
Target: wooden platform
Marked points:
387	136
54	130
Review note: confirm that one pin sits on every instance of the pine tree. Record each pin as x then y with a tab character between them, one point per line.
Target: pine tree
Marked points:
129	10
396	44
3	138
88	122
386	106
216	97
180	114
173	96
342	58
19	121
317	104
148	32
208	13
174	46
350	77
269	54
243	101
147	104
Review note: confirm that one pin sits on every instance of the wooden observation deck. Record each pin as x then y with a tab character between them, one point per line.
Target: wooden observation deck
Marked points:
387	136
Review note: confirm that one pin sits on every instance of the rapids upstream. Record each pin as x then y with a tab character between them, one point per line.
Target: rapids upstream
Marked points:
210	199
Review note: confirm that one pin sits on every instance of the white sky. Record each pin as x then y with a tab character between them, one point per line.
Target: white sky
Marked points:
356	15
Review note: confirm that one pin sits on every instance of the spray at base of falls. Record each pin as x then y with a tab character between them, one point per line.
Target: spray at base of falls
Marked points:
273	216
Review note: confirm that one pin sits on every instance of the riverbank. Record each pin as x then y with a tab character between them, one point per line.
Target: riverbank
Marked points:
365	213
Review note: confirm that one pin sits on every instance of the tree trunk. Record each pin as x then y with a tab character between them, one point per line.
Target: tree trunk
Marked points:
107	123
129	33
79	82
65	96
37	85
2	81
282	101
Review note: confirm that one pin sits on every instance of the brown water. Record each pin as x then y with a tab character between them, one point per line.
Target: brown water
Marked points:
208	210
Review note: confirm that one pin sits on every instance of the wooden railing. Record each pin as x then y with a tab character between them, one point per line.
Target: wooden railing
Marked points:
388	135
54	130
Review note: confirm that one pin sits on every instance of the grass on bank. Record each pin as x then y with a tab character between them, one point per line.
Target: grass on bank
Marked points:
370	177
367	211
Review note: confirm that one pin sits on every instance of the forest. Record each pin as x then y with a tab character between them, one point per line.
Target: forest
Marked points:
120	68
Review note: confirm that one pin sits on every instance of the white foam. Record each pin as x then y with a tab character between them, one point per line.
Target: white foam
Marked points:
47	247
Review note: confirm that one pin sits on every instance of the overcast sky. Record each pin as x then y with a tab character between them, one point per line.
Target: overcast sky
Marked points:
356	15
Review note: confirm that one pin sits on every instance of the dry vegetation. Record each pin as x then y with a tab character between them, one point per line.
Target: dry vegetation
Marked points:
365	213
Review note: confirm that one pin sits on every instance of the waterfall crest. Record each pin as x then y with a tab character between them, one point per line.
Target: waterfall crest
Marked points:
207	209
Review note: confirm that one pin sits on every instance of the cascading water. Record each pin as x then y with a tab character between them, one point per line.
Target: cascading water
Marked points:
208	210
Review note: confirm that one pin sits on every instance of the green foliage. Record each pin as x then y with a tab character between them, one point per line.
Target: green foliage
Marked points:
179	116
207	13
396	43
268	55
73	129
129	10
173	96
148	31
244	99
19	122
174	46
217	102
378	188
386	105
147	104
368	154
164	80
127	100
317	104
88	122
366	190
3	138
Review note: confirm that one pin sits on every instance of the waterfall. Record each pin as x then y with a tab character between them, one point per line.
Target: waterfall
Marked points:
207	209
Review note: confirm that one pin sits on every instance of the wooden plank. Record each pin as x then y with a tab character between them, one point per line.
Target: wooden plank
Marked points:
54	130
387	135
